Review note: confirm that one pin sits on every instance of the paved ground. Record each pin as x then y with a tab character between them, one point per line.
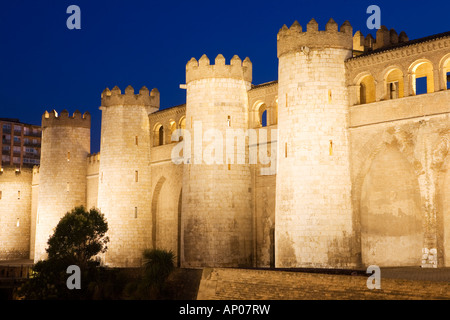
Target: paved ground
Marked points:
417	273
297	284
252	284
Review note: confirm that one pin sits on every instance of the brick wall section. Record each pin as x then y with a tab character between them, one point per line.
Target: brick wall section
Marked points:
240	284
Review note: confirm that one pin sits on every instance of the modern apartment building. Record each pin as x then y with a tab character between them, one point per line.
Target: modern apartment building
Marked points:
20	143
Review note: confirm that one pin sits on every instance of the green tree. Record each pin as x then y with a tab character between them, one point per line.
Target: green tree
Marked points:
79	236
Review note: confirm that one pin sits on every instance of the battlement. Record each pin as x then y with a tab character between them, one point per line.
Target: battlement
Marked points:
93	164
10	171
202	69
295	39
384	38
93	158
35	176
52	119
145	97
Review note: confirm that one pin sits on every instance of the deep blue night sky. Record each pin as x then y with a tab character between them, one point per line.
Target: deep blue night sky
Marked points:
44	65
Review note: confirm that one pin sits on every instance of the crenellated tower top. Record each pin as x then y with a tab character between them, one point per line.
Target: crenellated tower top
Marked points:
145	97
53	119
295	39
202	69
384	38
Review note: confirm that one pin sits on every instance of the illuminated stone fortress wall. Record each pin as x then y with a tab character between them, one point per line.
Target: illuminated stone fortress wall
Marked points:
357	131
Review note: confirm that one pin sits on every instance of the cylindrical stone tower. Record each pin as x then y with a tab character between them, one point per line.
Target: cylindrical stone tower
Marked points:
124	173
65	147
313	224
216	199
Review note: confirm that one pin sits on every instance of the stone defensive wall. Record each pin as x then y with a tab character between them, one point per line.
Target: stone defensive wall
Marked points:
166	179
263	98
15	208
35	176
93	162
399	143
93	168
400	191
246	284
406	108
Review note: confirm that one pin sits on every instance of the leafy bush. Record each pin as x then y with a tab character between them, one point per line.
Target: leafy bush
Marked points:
158	265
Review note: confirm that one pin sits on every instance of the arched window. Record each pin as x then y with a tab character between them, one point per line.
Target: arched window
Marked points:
367	90
183	123
262	111
394	84
448	79
262	114
447	74
423	81
173	127
158	135
264	118
161	136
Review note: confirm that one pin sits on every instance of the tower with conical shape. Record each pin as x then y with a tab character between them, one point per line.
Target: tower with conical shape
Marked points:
124	173
65	146
313	197
216	199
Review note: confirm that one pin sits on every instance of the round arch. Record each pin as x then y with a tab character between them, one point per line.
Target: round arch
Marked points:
182	122
258	108
444	67
158	134
367	88
393	80
419	69
172	127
